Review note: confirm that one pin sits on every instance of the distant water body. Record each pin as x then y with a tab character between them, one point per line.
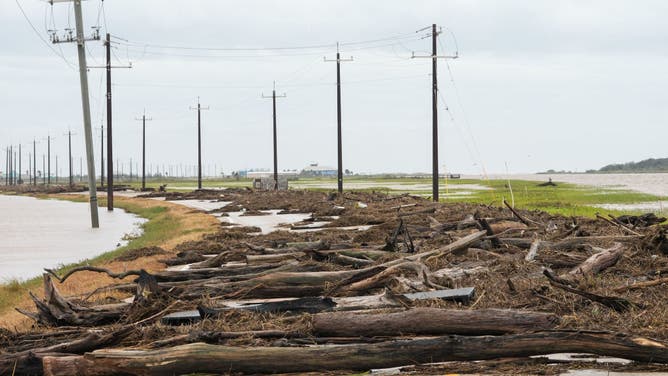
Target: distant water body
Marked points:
37	234
655	184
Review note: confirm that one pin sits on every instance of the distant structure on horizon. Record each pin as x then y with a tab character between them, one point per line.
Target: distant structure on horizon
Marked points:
314	170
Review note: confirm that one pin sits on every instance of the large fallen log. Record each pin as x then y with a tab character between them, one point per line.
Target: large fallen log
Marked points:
432	321
56	310
596	263
203	358
29	362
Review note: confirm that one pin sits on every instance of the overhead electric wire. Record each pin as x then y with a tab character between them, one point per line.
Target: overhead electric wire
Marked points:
248	49
62	56
461	106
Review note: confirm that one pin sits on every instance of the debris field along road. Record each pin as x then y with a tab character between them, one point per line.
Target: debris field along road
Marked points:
382	281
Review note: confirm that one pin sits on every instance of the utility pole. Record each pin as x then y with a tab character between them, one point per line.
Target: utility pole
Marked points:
20	172
199	109
6	166
34	161
43	169
69	147
143	119
80	169
338	117
56	169
110	150
434	103
48	159
16	177
11	164
273	97
102	156
83	78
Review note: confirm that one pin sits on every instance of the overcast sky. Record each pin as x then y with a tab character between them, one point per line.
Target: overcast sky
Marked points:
561	84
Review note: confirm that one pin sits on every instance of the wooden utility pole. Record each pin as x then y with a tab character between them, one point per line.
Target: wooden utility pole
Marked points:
69	147
273	97
20	172
43	169
48	159
110	150
338	117
102	156
434	105
143	119
34	161
199	109
6	166
85	101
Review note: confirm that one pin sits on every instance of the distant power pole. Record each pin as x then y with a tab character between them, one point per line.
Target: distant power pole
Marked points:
199	109
102	156
43	169
143	119
434	103
69	147
48	159
56	169
338	116
6	166
34	161
20	172
273	97
85	101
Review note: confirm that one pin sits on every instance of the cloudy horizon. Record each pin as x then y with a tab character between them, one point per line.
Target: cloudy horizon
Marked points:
542	85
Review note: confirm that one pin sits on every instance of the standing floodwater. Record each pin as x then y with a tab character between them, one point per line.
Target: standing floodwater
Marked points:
37	234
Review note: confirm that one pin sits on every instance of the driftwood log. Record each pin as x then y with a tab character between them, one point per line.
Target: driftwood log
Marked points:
431	321
204	358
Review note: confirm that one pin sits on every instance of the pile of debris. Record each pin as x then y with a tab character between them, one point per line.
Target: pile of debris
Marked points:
425	283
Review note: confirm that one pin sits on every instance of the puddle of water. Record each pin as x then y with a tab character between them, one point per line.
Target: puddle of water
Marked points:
601	372
656	206
388	185
652	183
36	234
204	205
267	223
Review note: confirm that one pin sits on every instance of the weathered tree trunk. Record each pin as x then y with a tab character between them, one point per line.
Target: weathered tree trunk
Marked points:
29	362
57	311
205	358
432	321
595	263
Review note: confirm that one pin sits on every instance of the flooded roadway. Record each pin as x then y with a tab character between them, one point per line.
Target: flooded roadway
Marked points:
37	234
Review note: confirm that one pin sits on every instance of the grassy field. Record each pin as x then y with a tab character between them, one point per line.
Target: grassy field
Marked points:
565	199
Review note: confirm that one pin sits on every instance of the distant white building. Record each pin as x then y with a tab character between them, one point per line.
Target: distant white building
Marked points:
314	170
270	174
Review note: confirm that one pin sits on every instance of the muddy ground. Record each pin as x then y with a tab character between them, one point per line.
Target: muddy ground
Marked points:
496	266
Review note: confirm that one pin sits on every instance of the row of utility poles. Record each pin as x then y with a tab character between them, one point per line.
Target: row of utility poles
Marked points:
80	40
13	170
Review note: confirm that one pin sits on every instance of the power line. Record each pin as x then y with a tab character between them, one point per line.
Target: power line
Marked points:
62	56
248	49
